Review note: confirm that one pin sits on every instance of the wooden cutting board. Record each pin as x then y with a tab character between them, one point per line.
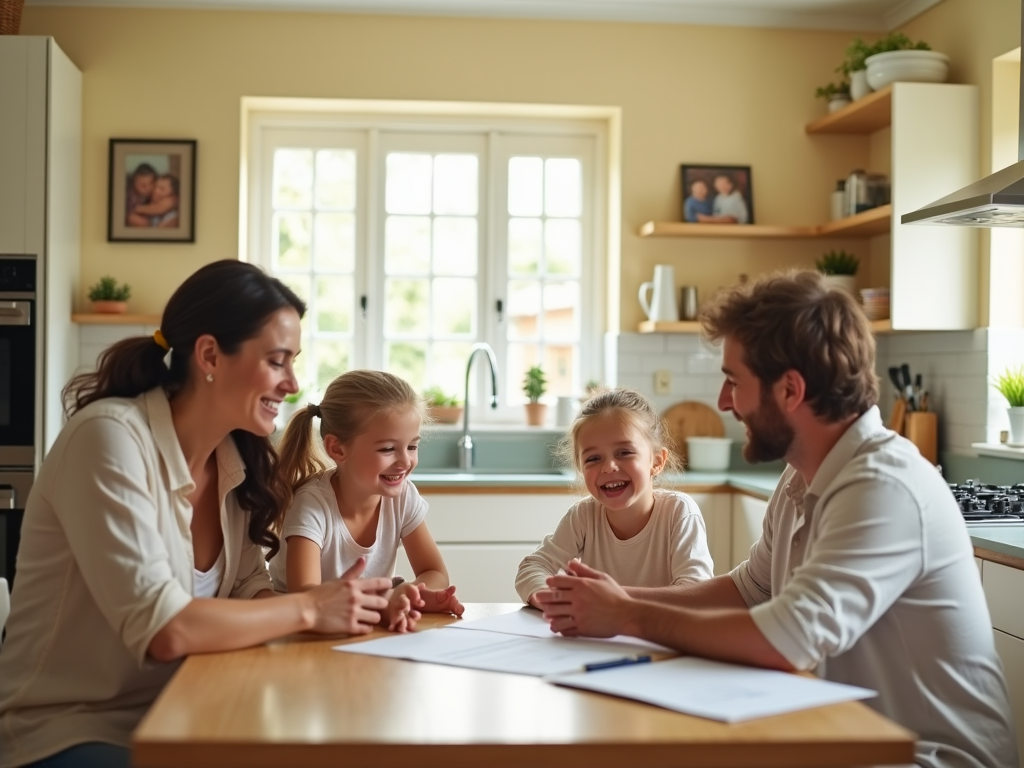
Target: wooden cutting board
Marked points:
691	419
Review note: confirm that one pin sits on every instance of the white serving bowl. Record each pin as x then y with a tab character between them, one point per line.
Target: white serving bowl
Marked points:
708	454
907	66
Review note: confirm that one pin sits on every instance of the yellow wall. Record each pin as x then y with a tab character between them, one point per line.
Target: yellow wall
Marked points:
688	94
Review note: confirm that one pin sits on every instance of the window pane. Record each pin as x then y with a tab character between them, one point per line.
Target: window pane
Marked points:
409	361
454	307
407	186
291	240
334	304
334	242
562	187
448	367
561	311
525	186
333	358
455	184
406	311
454	246
559	369
520	358
523	309
562	246
407	245
293	178
336	179
524	246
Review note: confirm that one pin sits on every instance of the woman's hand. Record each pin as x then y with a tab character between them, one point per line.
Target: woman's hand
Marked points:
402	613
440	600
348	605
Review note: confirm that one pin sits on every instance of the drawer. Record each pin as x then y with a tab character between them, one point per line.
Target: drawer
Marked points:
495	517
1004	592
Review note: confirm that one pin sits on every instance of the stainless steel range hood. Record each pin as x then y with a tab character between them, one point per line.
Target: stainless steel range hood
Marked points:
995	201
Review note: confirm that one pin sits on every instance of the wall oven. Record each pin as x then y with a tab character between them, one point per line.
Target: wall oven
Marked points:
18	396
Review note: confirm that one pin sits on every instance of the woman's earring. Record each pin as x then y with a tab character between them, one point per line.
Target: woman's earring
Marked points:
209	377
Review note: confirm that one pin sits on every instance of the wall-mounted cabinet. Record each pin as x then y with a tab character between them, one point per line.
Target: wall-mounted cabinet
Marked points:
926	136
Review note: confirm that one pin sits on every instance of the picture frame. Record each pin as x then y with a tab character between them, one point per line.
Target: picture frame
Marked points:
151	191
723	202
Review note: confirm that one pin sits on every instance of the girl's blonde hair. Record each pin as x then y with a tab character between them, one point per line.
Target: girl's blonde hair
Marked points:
350	401
630	406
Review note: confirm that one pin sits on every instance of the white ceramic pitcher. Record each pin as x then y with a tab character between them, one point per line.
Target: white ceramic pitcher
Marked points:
662	304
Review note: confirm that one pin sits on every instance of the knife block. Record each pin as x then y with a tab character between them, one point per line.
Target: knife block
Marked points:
922	429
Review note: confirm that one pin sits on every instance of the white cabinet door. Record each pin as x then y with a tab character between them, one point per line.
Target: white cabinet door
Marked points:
481	573
476	517
1011	651
715	507
1004	587
747	520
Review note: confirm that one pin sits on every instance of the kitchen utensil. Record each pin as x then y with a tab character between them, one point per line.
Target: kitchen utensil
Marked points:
908	387
662	304
708	454
897	382
688	302
898	416
691	419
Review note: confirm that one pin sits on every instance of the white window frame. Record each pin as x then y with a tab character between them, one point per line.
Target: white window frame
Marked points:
265	117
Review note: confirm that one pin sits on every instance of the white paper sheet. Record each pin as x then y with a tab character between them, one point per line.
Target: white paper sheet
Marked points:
714	690
494	651
529	622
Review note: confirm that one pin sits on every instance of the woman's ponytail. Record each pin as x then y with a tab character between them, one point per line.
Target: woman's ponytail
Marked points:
126	369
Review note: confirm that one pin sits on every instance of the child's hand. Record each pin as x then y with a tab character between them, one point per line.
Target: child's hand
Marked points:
440	600
402	612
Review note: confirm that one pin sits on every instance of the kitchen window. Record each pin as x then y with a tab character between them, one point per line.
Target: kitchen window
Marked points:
411	239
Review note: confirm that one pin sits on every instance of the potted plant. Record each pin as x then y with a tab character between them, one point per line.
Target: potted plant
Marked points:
836	94
108	297
854	68
839	268
896	57
442	407
1010	384
534	386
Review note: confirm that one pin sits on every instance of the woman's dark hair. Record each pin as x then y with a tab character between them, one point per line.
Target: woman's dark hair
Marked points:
231	301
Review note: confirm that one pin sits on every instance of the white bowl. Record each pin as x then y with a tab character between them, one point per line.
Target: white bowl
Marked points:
708	454
907	66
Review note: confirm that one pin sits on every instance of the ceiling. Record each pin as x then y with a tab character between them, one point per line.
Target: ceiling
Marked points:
859	15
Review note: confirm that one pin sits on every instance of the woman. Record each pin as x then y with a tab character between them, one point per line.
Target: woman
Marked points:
159	494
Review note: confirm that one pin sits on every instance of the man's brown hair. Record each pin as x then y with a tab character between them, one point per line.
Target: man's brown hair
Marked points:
794	321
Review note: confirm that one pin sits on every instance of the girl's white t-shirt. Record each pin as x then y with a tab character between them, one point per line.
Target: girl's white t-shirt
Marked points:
314	514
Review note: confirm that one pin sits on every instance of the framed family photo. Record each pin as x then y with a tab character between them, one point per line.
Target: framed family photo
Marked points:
717	194
152	191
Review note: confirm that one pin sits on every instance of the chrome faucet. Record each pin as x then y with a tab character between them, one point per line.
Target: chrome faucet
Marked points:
466	442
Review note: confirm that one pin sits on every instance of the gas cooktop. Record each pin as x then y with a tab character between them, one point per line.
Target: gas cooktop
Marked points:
990	504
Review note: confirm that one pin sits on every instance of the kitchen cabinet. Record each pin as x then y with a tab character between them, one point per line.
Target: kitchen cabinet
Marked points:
716	508
1003	587
40	194
747	523
925	135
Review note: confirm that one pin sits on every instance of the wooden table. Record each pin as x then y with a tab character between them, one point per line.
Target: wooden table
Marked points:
296	702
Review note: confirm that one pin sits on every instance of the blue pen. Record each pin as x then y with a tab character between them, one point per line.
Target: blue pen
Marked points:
616	663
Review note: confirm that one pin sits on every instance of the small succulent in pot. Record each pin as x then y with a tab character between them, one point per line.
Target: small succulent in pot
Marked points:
837	263
109	297
534	385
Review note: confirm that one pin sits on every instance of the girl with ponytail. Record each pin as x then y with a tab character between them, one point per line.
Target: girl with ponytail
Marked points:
353	499
158	500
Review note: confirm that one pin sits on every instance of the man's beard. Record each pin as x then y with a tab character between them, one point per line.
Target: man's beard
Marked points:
770	435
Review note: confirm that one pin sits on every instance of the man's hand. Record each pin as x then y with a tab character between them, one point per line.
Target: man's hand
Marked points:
585	602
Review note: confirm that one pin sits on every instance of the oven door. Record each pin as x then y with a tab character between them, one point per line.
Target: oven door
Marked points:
17	382
14	488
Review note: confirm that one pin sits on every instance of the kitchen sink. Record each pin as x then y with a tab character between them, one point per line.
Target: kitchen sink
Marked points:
448	471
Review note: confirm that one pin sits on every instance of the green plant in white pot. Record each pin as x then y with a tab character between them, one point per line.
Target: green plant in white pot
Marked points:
1010	384
534	386
839	269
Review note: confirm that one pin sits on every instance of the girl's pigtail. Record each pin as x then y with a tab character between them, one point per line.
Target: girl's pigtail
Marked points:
299	461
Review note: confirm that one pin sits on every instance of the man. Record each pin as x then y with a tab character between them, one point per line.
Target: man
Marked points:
864	571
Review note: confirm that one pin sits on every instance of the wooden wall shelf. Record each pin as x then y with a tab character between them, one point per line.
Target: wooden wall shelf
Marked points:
111	319
865	115
877	221
692	326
